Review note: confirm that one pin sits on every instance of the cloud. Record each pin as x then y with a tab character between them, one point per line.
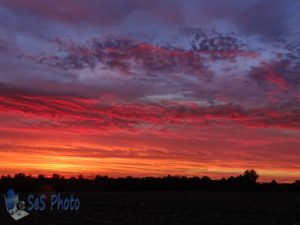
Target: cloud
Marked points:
204	84
129	57
282	74
99	13
75	113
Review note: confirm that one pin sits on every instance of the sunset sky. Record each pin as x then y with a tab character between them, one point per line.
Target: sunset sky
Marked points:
150	88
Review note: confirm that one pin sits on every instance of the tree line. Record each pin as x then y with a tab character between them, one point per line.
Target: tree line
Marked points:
248	181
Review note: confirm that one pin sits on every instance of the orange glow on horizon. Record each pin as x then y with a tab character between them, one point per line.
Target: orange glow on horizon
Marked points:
47	163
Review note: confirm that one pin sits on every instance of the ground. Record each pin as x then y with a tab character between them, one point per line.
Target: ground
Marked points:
159	208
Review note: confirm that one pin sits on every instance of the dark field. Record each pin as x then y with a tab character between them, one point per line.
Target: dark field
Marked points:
158	208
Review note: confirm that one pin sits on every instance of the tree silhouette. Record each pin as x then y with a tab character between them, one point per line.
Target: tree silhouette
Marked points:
41	177
250	176
20	176
244	182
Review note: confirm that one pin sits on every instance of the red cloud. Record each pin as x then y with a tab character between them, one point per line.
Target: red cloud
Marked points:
88	114
130	56
283	74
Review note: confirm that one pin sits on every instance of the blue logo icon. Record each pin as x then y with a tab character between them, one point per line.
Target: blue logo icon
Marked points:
14	207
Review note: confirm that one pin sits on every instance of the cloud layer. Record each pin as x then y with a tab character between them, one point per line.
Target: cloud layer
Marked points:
212	86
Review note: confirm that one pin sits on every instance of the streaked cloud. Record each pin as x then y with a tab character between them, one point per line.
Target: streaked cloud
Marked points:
150	87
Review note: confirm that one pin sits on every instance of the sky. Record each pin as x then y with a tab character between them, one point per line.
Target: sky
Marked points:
150	88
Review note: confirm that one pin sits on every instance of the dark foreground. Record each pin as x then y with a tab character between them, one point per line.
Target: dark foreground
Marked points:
158	208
